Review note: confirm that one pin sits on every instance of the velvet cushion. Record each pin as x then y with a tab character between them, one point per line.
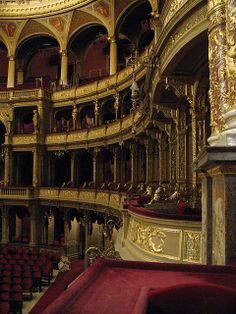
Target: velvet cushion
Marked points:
194	299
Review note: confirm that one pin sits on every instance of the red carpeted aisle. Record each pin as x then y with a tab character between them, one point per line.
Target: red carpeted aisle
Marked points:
61	282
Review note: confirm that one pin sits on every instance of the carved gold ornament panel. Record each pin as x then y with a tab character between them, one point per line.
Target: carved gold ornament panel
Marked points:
192	246
163	242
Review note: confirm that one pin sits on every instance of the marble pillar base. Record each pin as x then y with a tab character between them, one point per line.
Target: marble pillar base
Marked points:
217	166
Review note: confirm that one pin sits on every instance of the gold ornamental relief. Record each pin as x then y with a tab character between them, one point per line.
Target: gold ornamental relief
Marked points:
192	246
218	85
149	237
231	52
215	4
87	195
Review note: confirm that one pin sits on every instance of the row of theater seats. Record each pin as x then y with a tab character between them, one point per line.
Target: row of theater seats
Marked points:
23	271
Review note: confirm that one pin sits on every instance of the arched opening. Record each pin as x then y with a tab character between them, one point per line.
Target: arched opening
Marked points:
38	62
4	66
135	26
108	111
63	120
19	224
91	50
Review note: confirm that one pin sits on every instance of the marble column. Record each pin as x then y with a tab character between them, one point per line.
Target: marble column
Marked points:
113	55
11	72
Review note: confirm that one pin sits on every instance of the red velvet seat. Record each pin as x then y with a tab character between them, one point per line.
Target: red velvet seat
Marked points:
4	296
6	279
7	267
17	280
195	298
37	280
27	286
5	287
3	261
4	307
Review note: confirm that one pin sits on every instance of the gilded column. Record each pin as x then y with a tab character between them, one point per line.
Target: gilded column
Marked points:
161	150
66	226
194	143
64	68
7	165
134	170
116	165
11	72
149	155
36	167
217	67
95	164
181	147
5	225
33	225
72	169
113	55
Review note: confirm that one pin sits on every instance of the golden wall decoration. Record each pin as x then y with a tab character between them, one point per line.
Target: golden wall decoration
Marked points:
161	241
192	246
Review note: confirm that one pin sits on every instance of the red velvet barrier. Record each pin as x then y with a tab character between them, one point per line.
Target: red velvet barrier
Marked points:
195	298
122	287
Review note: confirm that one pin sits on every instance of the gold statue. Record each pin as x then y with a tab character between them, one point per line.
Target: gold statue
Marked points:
158	196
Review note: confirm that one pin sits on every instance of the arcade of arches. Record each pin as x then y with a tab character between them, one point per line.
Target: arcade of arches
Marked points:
117	123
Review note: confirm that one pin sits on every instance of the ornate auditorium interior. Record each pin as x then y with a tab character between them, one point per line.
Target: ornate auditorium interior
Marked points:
118	156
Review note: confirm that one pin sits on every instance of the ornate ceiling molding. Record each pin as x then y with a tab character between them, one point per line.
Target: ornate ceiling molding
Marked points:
37	8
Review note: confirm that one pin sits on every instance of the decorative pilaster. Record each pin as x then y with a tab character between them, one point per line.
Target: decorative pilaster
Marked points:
5	225
11	72
64	68
113	55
